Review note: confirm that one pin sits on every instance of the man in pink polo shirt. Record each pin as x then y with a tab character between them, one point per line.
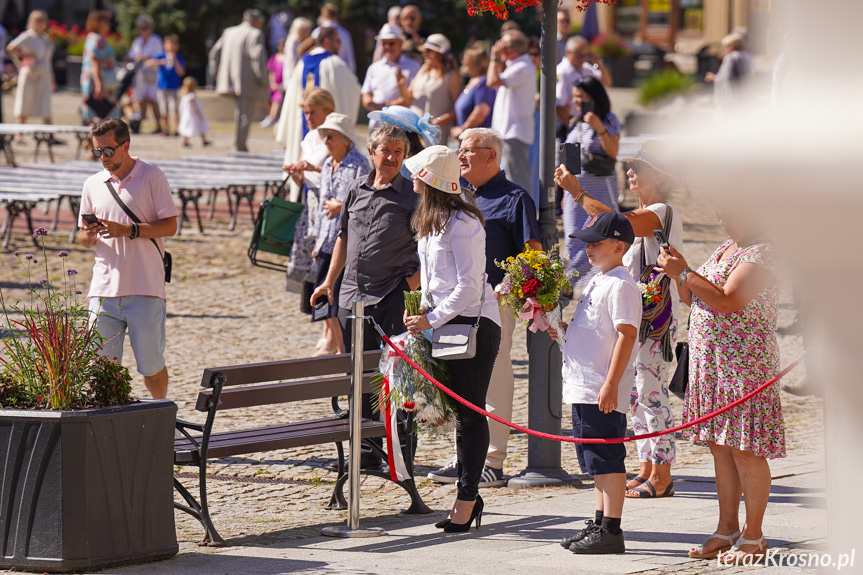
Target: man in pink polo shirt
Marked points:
128	287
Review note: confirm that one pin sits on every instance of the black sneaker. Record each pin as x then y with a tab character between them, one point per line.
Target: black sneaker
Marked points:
579	535
599	542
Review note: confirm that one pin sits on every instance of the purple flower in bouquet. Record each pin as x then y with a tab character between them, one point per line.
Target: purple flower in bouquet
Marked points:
525	269
505	285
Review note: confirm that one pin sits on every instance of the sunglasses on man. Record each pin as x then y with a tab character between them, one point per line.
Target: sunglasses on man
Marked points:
107	152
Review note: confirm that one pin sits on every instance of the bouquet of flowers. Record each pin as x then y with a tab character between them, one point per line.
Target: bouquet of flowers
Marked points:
400	386
532	285
651	292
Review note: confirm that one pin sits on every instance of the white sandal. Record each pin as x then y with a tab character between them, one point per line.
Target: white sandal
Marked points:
698	552
737	557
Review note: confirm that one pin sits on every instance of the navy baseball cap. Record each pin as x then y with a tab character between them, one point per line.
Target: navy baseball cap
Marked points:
606	226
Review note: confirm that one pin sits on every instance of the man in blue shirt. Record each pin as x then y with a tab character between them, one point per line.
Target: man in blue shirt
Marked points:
510	223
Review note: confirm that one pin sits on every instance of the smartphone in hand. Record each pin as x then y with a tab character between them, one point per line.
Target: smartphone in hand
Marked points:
660	237
570	154
91	219
322	309
585	108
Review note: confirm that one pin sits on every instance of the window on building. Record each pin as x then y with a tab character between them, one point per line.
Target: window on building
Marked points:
690	16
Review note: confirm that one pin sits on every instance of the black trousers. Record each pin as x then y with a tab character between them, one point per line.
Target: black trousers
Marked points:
470	379
389	313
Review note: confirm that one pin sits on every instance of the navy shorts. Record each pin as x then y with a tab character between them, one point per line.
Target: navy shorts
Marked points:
599	458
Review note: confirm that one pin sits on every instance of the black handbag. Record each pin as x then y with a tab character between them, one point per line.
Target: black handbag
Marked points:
596	164
680	379
167	261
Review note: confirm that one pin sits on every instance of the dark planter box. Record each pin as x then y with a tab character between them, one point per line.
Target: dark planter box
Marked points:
622	70
87	489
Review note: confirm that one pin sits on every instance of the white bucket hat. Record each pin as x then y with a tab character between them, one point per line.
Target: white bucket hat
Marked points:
438	167
341	124
437	43
390	32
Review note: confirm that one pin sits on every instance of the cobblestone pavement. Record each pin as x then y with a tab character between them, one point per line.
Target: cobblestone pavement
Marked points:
223	311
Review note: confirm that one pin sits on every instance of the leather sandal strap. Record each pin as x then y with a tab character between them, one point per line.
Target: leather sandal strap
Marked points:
730	538
741	542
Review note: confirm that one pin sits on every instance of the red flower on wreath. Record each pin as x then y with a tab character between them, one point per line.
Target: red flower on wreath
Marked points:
531	287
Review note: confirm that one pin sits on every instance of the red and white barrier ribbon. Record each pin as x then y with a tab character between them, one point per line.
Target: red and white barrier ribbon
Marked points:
398	469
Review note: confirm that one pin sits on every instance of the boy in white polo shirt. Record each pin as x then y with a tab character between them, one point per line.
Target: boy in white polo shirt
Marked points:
598	356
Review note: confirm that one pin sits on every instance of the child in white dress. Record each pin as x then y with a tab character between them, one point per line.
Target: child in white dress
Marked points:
192	120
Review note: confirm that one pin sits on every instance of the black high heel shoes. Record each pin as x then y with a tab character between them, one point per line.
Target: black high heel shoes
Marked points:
464	527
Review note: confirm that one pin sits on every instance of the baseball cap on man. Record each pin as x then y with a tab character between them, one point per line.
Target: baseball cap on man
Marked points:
606	226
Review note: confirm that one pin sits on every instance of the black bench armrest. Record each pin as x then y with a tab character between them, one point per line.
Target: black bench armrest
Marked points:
181	425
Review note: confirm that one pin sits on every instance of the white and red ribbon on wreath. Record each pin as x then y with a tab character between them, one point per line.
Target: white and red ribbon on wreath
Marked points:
398	469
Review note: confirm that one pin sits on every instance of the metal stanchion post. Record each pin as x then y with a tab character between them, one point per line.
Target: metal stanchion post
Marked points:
352	529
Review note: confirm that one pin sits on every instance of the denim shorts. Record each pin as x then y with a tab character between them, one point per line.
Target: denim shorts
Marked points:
144	317
599	458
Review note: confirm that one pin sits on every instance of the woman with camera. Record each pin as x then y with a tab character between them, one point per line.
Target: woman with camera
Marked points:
598	132
732	350
451	239
651	181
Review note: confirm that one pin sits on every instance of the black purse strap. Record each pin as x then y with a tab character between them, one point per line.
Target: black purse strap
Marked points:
130	213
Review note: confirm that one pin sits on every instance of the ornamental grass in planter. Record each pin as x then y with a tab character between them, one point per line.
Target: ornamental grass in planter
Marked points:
50	356
86	470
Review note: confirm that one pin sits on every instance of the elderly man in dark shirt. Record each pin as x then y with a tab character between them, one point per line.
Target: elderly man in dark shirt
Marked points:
510	223
376	248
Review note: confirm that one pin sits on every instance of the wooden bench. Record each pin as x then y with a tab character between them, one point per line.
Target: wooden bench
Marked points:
274	383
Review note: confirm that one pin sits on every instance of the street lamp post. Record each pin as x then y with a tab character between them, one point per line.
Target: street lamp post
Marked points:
544	358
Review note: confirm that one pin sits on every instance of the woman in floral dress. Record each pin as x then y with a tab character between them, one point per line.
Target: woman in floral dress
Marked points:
733	350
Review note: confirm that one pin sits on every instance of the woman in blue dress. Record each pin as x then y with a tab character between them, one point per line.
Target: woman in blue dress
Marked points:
474	105
344	165
98	79
598	131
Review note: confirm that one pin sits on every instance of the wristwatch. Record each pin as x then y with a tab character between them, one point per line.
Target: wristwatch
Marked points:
683	275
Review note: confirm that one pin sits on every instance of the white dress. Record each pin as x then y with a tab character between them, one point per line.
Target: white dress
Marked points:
35	79
192	120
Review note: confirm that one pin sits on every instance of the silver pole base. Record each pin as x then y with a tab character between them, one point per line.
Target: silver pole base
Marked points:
345	531
543	477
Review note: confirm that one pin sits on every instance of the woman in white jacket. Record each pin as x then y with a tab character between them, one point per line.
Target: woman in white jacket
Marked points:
455	291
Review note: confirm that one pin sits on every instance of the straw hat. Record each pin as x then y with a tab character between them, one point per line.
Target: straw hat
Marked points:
438	167
390	32
437	43
341	124
656	155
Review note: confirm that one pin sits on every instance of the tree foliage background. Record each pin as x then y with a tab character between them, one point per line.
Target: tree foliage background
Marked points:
199	23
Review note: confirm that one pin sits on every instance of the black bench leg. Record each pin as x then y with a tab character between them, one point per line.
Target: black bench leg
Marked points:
337	499
408	449
211	538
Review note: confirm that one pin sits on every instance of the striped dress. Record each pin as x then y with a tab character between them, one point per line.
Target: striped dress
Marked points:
603	189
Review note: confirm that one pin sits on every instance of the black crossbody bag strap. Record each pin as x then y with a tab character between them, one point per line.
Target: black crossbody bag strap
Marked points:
165	257
130	213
